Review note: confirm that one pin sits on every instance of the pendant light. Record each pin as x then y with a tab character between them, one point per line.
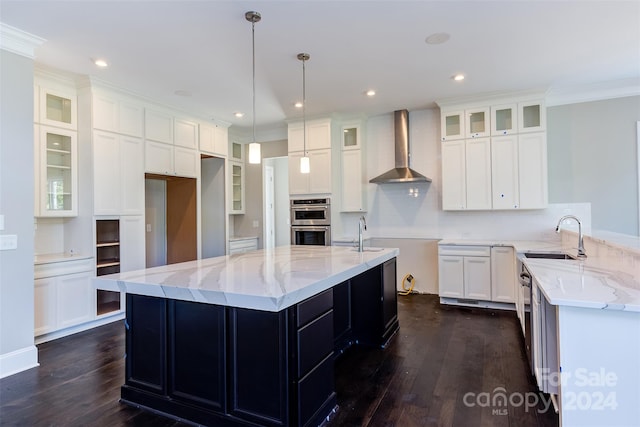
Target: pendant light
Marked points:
254	147
304	160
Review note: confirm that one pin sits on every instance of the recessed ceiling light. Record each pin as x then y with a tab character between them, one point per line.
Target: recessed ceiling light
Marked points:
101	63
238	114
298	104
371	92
437	38
458	77
182	92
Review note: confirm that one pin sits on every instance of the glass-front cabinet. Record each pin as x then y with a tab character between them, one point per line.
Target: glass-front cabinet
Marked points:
57	173
532	116
504	119
236	192
58	108
477	122
452	125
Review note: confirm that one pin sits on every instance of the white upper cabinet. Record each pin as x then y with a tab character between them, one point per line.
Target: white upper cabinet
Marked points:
57	176
532	116
117	114
477	121
351	137
318	134
504	119
452	125
58	107
158	126
504	172
214	139
185	134
118	174
506	167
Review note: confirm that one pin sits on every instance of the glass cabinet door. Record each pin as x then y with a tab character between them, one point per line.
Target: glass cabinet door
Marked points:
350	137
531	116
237	188
504	119
57	109
58	173
452	124
477	123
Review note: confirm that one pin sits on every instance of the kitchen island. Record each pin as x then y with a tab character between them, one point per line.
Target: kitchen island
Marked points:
250	339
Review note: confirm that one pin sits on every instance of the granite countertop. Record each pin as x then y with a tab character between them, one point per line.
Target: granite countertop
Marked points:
269	280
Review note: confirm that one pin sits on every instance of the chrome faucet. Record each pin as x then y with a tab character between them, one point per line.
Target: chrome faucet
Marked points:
362	225
581	252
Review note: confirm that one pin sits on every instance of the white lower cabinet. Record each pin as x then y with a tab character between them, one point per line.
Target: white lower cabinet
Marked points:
465	272
503	274
63	295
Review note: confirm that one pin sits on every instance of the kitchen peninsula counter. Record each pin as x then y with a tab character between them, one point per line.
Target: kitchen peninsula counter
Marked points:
251	339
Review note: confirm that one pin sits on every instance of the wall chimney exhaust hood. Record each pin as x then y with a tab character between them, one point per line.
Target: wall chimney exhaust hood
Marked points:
402	172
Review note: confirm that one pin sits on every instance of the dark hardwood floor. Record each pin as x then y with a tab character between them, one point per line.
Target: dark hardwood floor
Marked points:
444	368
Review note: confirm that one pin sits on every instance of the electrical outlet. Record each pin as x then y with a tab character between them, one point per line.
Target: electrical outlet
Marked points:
1	222
8	242
255	223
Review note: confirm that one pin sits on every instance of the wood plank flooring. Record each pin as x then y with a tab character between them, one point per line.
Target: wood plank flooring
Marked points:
442	357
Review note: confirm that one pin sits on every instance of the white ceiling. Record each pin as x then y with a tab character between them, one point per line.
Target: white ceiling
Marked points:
156	48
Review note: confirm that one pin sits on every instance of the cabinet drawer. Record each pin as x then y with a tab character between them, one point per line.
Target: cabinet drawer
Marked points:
315	390
315	341
312	307
464	250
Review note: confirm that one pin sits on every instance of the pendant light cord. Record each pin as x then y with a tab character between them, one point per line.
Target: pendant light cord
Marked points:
253	53
304	107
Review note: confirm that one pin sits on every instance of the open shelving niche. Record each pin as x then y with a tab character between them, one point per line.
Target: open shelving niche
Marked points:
107	262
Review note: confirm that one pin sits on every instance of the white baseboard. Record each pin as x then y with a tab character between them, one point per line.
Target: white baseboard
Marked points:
18	361
79	328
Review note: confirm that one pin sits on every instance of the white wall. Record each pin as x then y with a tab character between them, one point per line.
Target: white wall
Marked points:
17	349
155	212
212	202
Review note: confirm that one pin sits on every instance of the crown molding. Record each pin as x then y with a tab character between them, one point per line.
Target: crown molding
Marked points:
19	42
594	92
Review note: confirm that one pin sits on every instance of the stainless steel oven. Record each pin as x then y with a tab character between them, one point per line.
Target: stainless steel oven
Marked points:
311	222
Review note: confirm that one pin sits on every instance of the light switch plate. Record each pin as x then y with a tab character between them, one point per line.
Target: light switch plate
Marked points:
8	242
1	222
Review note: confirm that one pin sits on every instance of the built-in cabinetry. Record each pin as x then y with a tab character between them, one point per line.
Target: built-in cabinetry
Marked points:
63	295
465	272
107	262
470	274
214	140
236	188
494	153
503	274
318	149
170	149
238	245
55	150
352	168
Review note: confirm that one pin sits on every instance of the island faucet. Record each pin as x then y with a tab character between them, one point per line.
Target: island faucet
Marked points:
581	252
362	225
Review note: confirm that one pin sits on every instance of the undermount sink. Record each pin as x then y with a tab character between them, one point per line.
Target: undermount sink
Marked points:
548	255
368	249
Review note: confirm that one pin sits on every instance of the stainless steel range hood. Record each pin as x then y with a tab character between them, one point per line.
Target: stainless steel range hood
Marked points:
402	172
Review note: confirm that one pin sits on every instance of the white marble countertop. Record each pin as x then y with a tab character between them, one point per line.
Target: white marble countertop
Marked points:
237	238
518	245
588	283
269	280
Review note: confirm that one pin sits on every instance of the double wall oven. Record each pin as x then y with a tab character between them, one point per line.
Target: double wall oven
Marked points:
311	222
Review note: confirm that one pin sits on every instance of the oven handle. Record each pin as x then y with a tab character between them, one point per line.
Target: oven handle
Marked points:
309	208
309	227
